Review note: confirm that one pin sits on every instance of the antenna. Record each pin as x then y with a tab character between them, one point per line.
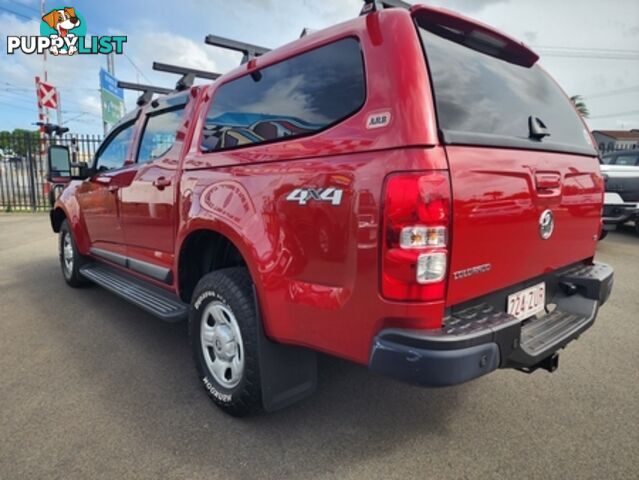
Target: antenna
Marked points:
188	74
249	51
377	5
148	91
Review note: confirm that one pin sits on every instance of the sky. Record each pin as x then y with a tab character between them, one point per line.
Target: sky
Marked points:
591	48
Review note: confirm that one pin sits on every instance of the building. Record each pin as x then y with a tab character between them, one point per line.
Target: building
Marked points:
609	140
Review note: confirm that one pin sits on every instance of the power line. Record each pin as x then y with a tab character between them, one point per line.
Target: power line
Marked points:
609	93
136	67
20	107
25	96
609	115
17	14
585	49
588	54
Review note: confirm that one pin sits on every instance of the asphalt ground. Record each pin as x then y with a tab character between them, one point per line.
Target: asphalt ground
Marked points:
91	387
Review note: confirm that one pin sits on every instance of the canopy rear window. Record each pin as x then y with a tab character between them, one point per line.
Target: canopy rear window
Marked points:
482	99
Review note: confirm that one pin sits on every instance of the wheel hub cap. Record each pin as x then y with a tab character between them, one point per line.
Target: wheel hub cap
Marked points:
221	341
67	253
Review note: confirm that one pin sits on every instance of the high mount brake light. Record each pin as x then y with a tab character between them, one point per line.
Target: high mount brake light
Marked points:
415	242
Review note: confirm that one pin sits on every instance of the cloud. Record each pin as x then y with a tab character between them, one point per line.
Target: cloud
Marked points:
467	6
175	49
530	36
91	104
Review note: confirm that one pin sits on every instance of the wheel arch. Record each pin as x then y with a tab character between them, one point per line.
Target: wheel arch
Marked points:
204	250
67	208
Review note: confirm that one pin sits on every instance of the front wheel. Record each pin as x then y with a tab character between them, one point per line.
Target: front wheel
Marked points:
70	259
223	331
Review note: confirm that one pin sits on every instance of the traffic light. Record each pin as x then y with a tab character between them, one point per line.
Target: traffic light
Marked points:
51	129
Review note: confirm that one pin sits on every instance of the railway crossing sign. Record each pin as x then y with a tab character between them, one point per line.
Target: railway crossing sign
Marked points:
47	95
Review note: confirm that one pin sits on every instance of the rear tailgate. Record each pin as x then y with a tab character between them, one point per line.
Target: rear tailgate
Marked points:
526	187
497	211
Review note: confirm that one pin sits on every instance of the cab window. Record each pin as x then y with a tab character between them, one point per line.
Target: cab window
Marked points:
113	154
159	134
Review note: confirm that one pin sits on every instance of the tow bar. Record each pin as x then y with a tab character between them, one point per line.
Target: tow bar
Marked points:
550	364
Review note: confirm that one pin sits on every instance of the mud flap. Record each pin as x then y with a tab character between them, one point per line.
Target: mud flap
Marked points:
289	374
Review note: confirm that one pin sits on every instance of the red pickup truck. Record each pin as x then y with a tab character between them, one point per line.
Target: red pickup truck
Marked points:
408	190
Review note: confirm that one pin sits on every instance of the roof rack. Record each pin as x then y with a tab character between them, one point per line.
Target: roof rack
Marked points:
148	91
249	51
377	5
188	74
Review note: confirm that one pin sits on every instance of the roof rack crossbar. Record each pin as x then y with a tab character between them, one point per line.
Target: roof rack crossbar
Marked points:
377	5
249	51
148	91
188	74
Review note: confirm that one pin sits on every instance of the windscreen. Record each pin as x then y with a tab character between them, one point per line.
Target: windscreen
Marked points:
485	100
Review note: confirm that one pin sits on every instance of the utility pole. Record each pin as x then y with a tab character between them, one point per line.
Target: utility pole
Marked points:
44	60
59	107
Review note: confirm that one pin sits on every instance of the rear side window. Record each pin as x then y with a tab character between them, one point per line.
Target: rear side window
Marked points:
484	100
159	134
296	97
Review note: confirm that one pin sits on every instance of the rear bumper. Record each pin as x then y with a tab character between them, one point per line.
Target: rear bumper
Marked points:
617	214
480	339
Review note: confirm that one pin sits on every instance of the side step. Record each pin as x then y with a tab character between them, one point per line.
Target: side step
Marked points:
154	300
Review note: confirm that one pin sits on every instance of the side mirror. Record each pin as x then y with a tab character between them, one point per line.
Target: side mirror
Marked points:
61	167
59	162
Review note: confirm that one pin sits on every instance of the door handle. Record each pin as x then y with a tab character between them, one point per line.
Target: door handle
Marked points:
161	183
547	181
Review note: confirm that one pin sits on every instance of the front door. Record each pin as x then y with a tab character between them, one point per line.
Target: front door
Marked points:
98	195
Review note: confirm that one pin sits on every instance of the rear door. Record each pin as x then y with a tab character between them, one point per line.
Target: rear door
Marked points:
525	178
148	200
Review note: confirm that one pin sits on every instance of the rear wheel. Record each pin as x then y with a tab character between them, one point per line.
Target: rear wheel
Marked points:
224	334
603	234
70	260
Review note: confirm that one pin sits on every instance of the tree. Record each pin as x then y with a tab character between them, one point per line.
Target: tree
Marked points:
580	105
15	143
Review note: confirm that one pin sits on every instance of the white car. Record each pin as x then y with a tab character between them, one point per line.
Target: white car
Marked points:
621	202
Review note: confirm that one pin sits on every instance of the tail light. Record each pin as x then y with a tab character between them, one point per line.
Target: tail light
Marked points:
416	231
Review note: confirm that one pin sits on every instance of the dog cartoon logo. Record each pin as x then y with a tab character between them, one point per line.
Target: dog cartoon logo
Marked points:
60	23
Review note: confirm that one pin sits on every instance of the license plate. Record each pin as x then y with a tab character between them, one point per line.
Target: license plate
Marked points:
528	302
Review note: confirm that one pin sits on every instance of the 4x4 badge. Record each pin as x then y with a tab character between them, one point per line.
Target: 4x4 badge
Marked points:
303	195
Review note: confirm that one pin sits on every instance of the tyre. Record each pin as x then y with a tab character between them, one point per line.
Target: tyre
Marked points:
70	260
223	330
603	234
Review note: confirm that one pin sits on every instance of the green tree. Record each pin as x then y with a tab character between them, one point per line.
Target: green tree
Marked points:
16	142
580	105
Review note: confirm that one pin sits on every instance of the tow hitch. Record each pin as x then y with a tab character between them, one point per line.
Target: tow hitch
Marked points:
550	364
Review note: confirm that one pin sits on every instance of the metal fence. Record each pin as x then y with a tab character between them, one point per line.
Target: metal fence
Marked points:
612	147
23	168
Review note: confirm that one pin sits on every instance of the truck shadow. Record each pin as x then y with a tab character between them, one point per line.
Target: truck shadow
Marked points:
141	369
